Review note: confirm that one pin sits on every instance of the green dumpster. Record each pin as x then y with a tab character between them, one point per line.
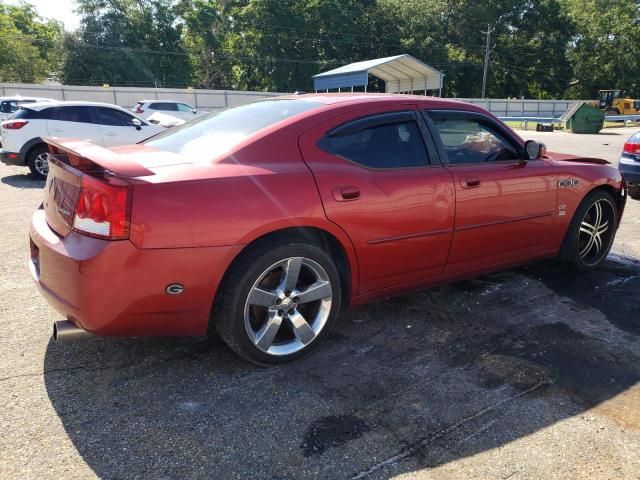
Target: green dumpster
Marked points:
584	118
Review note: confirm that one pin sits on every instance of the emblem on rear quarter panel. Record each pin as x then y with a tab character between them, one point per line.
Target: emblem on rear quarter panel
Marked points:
174	289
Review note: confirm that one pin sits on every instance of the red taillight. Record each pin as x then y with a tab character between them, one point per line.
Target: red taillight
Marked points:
14	124
102	210
632	146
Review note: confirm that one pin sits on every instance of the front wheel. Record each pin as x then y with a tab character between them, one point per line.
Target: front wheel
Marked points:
278	303
634	191
591	232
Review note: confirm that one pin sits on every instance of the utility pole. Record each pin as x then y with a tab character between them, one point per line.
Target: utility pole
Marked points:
486	58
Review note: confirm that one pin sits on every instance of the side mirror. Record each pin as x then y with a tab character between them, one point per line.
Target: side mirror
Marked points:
136	123
194	111
534	150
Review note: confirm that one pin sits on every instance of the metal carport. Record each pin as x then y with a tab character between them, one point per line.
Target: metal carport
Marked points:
401	73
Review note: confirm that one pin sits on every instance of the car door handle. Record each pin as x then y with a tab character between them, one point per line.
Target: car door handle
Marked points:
470	182
110	134
56	129
346	193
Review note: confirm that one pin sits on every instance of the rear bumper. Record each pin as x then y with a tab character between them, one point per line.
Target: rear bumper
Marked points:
112	288
11	158
630	170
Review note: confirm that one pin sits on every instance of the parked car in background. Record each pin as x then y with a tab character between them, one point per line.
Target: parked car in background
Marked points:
184	111
263	220
9	105
165	120
629	165
22	136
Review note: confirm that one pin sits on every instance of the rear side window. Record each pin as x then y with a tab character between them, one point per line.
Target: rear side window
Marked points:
182	107
110	116
375	143
166	107
71	114
8	106
210	135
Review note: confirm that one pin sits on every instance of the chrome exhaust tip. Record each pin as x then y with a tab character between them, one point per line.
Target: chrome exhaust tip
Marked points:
65	331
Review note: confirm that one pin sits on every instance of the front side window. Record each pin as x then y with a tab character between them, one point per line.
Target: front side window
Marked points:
391	145
182	107
110	116
71	114
210	135
470	140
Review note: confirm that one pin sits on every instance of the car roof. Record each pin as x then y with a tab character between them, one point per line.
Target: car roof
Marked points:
43	105
160	101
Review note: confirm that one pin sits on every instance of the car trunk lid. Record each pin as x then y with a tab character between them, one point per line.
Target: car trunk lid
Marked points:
72	164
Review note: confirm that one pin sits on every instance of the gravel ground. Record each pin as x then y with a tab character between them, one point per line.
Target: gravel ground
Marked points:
526	374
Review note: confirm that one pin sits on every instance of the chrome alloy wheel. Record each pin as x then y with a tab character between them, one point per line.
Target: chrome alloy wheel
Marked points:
288	306
41	164
596	231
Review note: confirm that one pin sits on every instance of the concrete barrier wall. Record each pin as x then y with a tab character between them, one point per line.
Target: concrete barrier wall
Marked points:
522	107
128	96
217	99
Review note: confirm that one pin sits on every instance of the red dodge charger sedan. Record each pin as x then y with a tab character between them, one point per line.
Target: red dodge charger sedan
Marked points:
262	221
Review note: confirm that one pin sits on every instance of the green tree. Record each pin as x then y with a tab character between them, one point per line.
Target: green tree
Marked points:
604	51
127	42
30	48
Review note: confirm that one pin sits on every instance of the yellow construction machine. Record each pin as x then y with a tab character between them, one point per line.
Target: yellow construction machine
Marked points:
614	102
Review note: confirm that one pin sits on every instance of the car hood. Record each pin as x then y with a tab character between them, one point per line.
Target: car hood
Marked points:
565	157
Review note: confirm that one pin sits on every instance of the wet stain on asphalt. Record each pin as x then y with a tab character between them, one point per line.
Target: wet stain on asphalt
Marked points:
332	431
555	352
605	289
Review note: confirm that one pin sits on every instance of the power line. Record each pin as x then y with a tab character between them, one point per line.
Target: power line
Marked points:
486	58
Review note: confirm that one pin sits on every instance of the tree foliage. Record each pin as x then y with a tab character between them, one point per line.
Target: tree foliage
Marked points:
30	48
539	48
126	42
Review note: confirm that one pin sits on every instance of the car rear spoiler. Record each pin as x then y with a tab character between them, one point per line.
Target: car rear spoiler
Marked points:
82	153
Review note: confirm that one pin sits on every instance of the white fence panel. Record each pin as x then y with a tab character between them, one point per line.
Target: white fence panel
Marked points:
217	99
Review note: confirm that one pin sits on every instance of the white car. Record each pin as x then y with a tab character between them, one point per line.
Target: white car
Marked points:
101	123
146	108
9	105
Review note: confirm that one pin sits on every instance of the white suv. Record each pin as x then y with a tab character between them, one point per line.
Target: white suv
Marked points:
184	111
9	105
101	123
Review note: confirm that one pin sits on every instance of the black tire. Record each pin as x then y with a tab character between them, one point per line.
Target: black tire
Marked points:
33	162
576	240
634	192
231	304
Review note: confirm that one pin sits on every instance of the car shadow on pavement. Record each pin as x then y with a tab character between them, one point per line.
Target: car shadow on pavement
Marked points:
22	181
403	384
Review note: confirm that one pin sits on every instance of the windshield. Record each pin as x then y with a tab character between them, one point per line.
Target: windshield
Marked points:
219	132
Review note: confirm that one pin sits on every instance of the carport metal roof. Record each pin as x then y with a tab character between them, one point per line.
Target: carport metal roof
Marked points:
401	73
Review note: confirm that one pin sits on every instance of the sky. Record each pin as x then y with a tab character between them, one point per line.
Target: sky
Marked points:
58	9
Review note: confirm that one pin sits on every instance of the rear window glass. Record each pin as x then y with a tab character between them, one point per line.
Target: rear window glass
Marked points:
28	114
219	132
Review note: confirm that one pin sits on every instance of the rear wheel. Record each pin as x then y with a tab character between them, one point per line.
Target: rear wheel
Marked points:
38	161
278	302
591	232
